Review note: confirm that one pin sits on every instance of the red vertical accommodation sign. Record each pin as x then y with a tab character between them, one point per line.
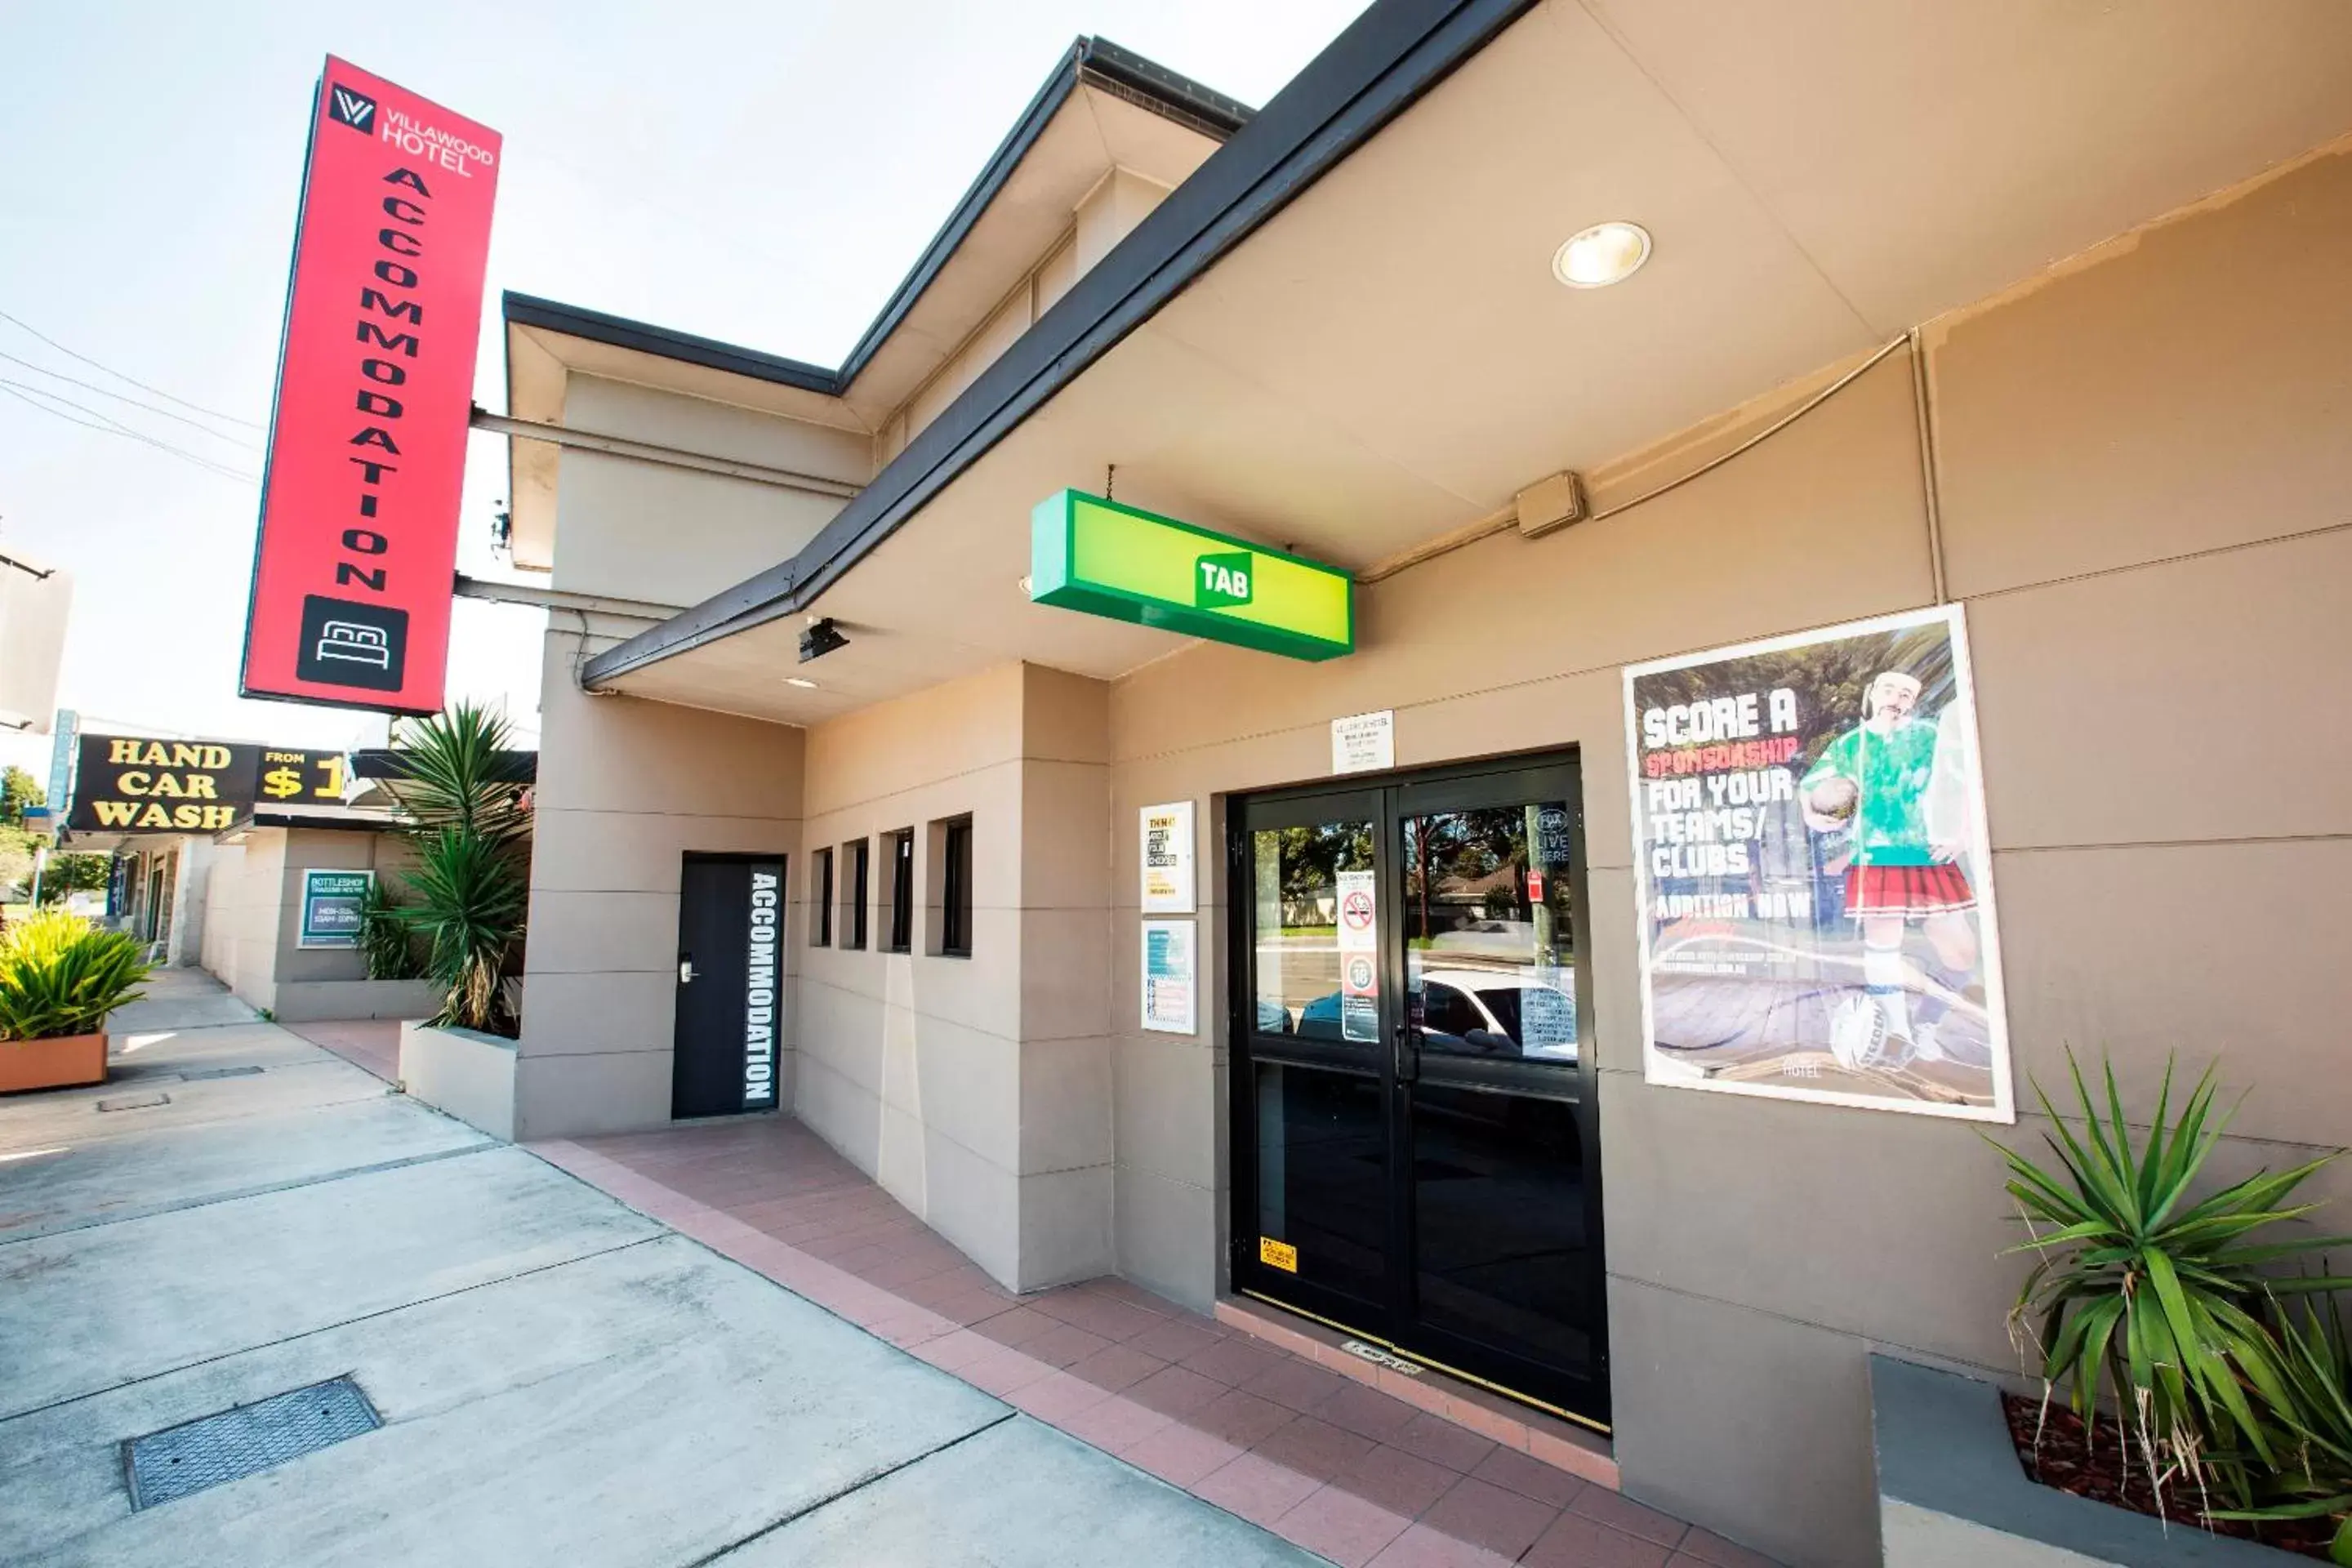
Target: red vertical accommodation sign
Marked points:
367	443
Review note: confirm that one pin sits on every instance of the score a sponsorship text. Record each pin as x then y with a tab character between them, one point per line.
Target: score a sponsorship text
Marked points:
1711	774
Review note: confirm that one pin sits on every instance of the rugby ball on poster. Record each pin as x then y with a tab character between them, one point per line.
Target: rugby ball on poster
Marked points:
1834	798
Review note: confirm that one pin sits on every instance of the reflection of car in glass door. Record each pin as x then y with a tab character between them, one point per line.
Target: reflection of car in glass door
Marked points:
1495	1013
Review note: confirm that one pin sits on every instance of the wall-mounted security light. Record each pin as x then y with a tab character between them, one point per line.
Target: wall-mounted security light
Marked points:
1604	254
803	682
821	638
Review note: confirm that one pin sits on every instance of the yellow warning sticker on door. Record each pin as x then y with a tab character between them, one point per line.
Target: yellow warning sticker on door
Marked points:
1277	1254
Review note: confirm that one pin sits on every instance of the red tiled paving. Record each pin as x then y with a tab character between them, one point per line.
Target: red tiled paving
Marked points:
1334	1465
370	1043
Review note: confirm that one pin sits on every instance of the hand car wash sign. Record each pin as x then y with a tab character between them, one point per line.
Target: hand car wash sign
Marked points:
131	783
367	445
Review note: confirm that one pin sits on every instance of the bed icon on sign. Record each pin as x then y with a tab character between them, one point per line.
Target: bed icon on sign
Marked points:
361	644
347	642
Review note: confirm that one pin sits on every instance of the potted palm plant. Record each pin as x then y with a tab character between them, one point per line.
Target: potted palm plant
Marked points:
60	977
2194	1365
467	821
469	827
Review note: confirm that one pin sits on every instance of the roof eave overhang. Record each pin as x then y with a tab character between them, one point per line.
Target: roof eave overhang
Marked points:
1089	60
1392	55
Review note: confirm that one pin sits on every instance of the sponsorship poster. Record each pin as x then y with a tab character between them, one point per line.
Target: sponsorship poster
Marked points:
1168	887
376	379
331	902
1171	973
1811	866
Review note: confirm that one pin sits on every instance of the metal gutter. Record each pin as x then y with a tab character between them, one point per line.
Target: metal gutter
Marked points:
1391	54
530	596
667	457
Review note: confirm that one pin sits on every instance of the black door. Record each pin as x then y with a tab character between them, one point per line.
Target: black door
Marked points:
1416	1142
730	936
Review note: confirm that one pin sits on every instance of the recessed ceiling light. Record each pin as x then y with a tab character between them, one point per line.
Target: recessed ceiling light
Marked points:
805	685
1604	254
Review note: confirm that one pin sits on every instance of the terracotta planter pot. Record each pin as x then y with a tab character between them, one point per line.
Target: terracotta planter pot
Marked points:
52	1064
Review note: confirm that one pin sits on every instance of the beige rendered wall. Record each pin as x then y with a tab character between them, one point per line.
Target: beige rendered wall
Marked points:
190	898
216	946
325	849
976	1090
243	907
627	789
632	529
1105	214
2145	466
253	907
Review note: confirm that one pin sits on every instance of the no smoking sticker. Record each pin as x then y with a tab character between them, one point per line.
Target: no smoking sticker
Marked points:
1359	948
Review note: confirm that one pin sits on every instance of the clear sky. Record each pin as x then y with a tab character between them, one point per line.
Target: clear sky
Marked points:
760	173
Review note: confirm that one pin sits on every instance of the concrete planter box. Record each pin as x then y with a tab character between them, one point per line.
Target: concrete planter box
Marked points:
303	1001
64	1062
1951	1492
469	1075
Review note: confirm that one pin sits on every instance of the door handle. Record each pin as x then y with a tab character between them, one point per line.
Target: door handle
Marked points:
686	972
1405	1053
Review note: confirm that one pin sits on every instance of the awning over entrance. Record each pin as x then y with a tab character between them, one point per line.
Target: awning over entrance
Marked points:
1342	335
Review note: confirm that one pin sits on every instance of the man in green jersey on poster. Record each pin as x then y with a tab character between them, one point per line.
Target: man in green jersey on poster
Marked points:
1891	784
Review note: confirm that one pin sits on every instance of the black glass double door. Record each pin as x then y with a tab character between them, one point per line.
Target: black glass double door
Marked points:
1415	1138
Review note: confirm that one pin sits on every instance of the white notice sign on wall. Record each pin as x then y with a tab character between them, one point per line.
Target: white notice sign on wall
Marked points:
1170	971
1168	858
1364	743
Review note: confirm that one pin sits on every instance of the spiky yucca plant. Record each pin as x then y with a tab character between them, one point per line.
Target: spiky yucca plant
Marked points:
2314	1434
470	830
2144	1294
453	761
387	939
60	975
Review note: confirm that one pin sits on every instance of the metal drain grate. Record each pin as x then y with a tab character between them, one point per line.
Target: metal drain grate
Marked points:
135	1102
245	1440
192	1074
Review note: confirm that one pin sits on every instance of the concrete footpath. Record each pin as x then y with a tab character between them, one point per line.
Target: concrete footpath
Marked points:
561	1379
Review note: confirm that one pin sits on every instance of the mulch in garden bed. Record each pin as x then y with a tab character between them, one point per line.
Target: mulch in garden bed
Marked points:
2063	1456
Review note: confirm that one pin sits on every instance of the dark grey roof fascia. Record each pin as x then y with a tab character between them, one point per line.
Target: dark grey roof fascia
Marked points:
1391	54
512	767
1208	111
293	819
596	327
1216	114
1212	112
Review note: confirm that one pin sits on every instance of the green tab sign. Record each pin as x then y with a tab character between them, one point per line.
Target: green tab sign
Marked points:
1090	554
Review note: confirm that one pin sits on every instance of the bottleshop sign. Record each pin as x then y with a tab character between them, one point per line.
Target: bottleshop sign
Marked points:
376	379
130	784
334	908
1095	555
